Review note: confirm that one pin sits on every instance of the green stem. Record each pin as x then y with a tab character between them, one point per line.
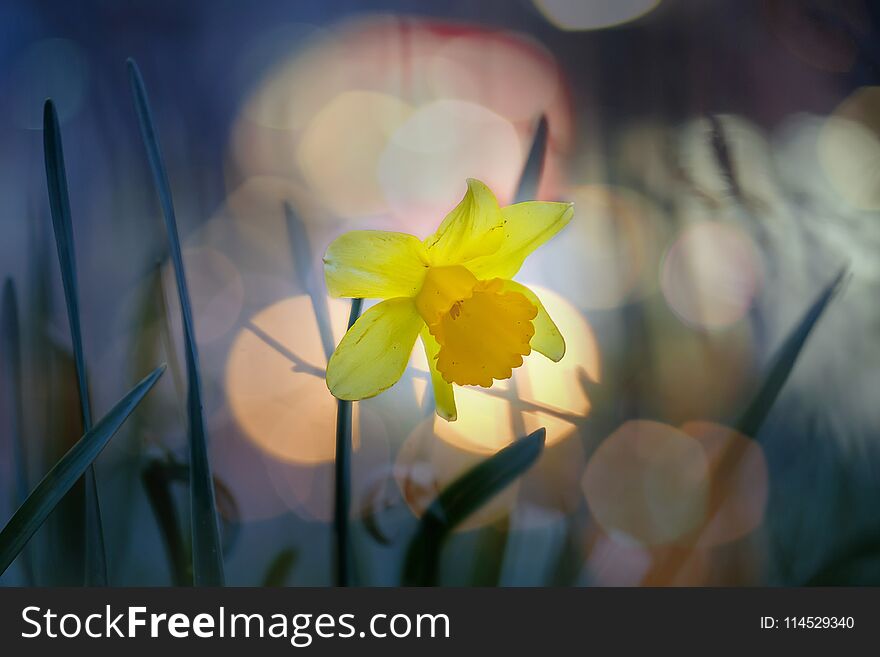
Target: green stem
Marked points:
343	476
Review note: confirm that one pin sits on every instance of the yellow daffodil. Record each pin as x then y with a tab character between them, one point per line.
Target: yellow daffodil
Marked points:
452	289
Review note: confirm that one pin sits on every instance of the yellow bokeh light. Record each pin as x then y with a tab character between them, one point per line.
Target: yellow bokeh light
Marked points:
340	149
425	161
387	116
307	488
275	381
548	394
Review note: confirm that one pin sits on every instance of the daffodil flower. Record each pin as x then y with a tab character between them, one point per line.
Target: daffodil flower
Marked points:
453	289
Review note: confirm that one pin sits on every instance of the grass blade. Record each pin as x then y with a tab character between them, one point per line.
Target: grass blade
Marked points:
462	498
750	422
279	569
59	204
10	358
785	358
64	474
527	190
227	507
207	553
158	489
302	259
342	480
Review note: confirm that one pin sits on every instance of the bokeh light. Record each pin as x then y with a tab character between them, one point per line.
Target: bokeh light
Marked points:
745	147
693	374
849	148
648	483
340	149
307	488
593	14
275	381
612	248
739	492
388	116
422	168
216	291
711	274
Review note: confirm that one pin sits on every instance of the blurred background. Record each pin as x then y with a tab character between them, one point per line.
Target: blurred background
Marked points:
724	161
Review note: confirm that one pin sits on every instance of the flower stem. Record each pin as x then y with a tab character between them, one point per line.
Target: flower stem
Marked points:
342	508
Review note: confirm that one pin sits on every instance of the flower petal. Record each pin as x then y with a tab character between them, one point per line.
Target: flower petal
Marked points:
547	339
444	397
527	226
373	354
473	229
374	264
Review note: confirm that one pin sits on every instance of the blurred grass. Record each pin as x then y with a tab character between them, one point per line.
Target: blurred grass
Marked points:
207	552
58	481
59	203
749	424
460	499
278	572
11	385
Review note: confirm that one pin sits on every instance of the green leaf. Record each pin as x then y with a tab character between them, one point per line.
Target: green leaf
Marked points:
753	418
785	358
66	472
59	204
279	569
10	360
460	499
342	480
302	258
207	553
530	178
158	488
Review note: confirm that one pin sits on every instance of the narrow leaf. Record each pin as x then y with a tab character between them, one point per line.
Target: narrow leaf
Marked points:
750	422
207	553
280	568
301	253
66	472
783	362
463	497
158	488
59	204
10	360
342	482
228	511
530	178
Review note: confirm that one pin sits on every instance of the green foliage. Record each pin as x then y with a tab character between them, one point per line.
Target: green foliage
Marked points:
54	486
207	553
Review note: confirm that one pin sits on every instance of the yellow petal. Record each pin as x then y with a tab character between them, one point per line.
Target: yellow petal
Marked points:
473	229
527	226
547	339
375	351
374	264
485	336
444	397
